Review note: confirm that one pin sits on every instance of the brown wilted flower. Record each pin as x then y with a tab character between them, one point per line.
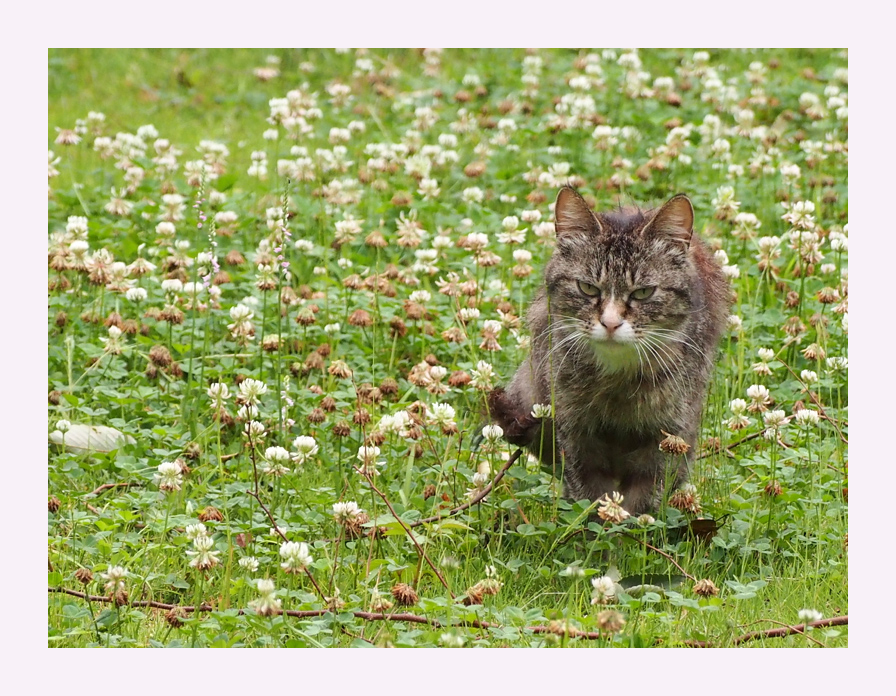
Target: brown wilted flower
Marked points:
429	491
211	514
379	602
376	239
342	429
404	594
389	386
192	451
340	369
328	404
353	282
175	617
271	343
160	356
317	416
454	335
792	300
234	258
828	295
114	319
305	316
773	489
473	596
360	318
686	499
474	169
121	598
706	588
672	444
54	397
610	621
53	504
171	314
84	576
813	352
397	328
459	378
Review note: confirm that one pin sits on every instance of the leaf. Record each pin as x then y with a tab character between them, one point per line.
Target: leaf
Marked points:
90	438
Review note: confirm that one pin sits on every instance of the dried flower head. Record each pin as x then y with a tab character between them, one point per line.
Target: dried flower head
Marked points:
404	594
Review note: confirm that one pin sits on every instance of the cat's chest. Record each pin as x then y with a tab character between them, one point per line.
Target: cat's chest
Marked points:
593	402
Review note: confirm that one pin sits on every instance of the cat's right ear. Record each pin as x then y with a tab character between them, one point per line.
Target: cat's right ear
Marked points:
572	214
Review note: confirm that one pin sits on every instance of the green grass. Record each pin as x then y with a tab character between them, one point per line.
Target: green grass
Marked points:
770	556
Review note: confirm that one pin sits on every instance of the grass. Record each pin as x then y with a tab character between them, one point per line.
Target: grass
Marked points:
341	342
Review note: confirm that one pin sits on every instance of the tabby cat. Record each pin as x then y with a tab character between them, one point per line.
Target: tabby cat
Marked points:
624	337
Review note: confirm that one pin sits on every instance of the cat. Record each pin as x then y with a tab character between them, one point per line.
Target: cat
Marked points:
624	337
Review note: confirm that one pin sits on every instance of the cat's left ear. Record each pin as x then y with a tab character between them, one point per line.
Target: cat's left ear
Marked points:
674	221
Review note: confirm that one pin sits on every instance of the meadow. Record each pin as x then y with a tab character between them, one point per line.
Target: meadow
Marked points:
282	283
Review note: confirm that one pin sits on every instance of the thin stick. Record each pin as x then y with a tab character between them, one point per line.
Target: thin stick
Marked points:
406	529
661	553
413	618
787	630
815	401
476	499
107	486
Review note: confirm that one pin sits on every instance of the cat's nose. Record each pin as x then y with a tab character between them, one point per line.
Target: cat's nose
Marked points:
611	321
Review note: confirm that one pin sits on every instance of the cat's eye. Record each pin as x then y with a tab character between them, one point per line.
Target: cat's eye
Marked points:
588	289
642	293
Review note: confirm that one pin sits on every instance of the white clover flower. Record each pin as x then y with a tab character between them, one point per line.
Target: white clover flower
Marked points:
735	323
573	571
604	591
332	328
420	296
169	476
218	392
346	511
63	426
249	564
540	411
837	364
441	414
473	194
492	433
775	419
468	314
766	354
253	428
204	555
136	294
483	375
251	390
759	394
737	406
809	376
195	530
114	578
368	458
306	447
806	416
809	615
172	285
295	555
267	604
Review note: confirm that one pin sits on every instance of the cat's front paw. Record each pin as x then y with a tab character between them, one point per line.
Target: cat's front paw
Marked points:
517	422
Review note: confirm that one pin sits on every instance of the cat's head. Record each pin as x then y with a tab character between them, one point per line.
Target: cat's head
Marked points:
623	281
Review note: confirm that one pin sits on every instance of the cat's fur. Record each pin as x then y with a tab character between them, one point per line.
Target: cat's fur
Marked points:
618	370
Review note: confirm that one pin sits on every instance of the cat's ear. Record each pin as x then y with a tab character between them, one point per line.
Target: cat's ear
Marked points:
674	221
572	214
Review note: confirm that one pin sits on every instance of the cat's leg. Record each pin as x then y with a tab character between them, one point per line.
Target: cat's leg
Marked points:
511	408
641	492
